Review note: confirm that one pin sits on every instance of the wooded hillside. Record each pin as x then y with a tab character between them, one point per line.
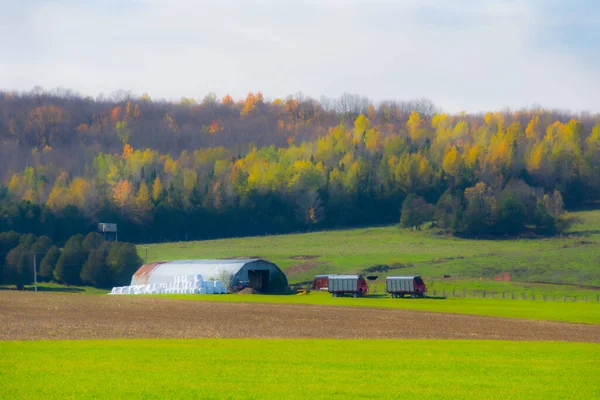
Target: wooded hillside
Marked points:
220	167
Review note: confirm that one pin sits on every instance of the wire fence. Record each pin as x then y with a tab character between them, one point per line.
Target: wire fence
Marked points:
467	293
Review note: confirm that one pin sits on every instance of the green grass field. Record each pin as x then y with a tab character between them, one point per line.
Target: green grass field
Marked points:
551	311
572	259
58	288
277	369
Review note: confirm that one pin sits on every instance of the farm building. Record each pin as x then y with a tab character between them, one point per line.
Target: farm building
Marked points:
260	275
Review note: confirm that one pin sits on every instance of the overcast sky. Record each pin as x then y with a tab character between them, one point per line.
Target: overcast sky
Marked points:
463	55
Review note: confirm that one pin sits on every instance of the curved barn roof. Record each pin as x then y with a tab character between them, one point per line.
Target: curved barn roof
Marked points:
205	267
209	269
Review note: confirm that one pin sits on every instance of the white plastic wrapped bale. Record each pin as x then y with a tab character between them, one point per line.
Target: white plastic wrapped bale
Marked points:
209	287
220	288
181	284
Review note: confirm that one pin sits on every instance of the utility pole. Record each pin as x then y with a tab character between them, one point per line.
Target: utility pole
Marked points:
34	273
146	258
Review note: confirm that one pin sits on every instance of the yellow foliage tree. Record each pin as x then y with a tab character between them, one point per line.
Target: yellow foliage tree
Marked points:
80	193
123	194
452	162
142	201
157	188
416	128
536	157
361	125
190	177
534	128
59	195
474	156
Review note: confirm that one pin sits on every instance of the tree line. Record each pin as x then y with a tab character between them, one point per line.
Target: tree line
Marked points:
83	260
168	171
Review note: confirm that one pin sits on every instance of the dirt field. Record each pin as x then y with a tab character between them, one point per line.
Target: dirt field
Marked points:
29	316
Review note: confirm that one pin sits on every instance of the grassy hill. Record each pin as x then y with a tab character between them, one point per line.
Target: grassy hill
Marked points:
571	259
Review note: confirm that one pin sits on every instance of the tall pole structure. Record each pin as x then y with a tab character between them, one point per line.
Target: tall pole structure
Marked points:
146	258
34	273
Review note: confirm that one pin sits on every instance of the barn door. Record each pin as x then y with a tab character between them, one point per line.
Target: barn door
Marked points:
258	280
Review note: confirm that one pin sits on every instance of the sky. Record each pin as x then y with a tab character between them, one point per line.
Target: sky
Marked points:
471	55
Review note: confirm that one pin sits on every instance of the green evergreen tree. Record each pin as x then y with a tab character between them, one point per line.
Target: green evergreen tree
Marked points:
10	274
71	261
48	263
123	260
92	241
8	241
24	270
95	272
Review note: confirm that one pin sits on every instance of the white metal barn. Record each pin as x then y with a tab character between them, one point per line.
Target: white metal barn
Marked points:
261	275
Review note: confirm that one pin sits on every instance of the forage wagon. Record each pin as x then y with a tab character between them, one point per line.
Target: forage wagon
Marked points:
355	285
399	286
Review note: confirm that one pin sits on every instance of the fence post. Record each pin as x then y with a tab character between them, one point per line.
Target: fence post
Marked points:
464	292
502	294
434	291
532	296
523	295
453	293
544	296
484	294
553	297
513	295
444	293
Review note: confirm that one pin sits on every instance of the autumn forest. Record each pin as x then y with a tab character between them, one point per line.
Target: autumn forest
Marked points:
219	167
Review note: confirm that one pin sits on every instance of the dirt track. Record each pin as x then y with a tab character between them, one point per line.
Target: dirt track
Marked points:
28	316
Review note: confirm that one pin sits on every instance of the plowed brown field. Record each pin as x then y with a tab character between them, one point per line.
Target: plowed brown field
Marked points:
29	316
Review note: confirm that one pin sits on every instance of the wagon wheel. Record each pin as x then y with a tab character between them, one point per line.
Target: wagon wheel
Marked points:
355	295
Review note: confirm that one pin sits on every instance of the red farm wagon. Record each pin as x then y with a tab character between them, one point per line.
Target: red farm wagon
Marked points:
340	285
400	286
